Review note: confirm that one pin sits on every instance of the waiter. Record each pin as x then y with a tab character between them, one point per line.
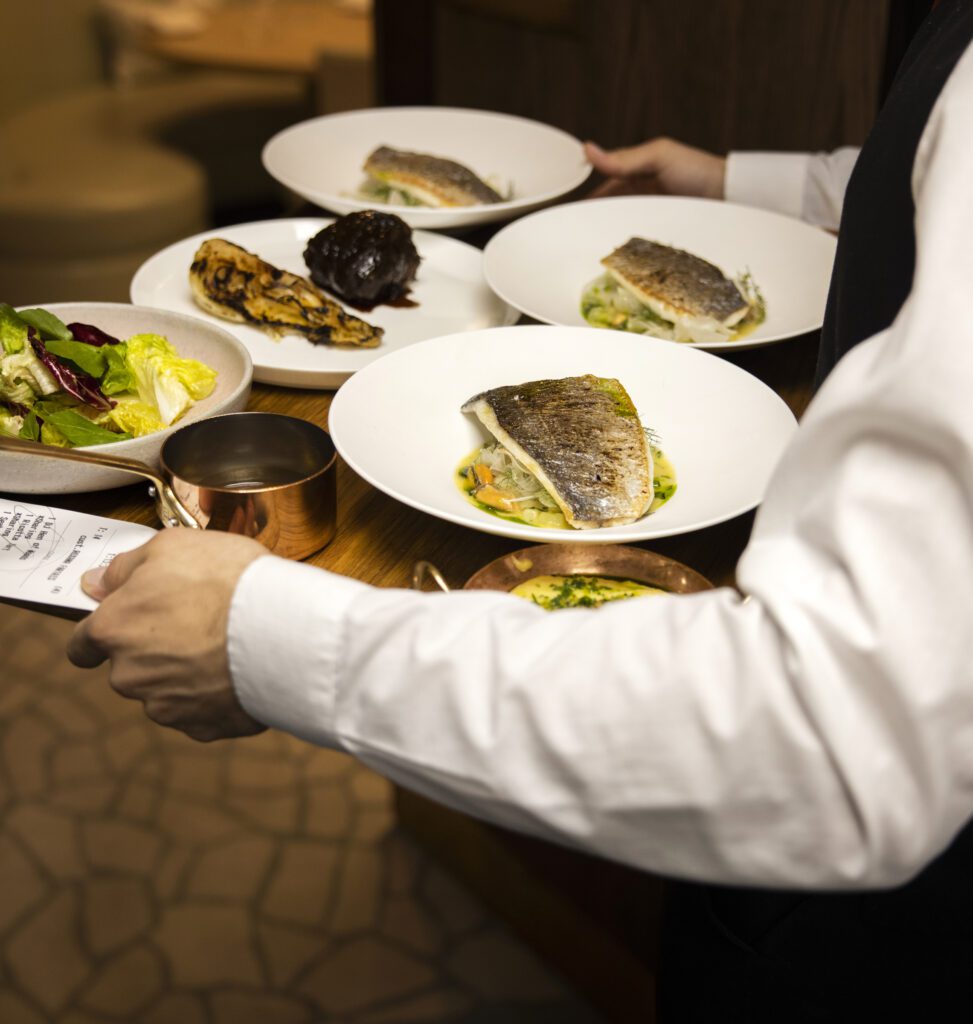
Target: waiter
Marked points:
905	954
817	737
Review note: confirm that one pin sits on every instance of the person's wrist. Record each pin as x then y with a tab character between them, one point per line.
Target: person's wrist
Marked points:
719	183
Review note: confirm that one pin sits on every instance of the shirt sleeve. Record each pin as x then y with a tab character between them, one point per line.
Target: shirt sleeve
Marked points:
819	734
809	186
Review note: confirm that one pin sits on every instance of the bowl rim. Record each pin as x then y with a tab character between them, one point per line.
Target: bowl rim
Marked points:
327	465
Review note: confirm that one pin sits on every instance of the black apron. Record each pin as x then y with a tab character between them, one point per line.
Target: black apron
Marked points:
876	253
906	954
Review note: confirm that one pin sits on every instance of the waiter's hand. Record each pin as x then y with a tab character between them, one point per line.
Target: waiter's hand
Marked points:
659	165
162	622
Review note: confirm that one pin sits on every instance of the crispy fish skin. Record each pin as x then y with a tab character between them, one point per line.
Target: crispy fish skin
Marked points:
677	285
581	437
232	283
433	180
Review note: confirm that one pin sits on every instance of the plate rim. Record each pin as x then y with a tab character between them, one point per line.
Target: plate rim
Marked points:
712	346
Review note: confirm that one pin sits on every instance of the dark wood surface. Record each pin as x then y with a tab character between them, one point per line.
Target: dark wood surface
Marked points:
747	74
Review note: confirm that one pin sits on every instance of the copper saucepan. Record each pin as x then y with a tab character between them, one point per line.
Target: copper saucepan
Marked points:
263	475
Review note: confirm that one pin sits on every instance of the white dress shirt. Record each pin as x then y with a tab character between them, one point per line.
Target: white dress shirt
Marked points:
818	735
810	186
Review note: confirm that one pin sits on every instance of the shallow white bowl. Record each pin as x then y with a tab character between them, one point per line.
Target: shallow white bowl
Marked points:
398	423
321	159
541	264
192	338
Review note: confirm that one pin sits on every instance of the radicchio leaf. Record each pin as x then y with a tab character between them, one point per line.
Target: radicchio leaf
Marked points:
83	387
91	335
14	407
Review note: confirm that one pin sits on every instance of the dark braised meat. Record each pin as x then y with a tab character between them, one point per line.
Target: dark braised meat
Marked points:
364	258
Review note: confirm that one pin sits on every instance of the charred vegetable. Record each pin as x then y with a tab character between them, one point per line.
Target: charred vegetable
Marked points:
232	283
365	258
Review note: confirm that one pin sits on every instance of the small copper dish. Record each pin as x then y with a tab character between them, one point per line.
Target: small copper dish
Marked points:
263	475
617	561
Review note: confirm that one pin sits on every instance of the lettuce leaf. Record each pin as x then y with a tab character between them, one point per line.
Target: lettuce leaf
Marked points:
11	424
13	330
31	429
23	377
83	386
133	416
46	324
52	436
118	377
91	335
78	430
86	358
164	379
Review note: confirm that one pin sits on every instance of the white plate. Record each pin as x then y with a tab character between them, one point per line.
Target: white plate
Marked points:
450	291
542	263
322	159
398	423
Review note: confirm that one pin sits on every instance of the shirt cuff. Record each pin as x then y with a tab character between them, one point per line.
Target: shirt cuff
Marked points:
284	640
773	181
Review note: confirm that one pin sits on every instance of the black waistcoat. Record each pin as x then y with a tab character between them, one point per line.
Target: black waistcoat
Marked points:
876	243
748	956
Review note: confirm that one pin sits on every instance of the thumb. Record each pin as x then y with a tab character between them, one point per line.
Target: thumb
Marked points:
100	582
622	163
93	583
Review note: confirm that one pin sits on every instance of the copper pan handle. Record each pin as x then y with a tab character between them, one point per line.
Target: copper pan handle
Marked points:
424	569
169	508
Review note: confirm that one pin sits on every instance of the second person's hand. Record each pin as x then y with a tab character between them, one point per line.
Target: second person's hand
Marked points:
659	165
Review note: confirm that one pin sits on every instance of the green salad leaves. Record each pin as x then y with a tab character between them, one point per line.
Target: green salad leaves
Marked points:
73	385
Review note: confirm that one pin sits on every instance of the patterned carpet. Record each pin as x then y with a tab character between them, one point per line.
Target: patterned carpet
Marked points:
147	878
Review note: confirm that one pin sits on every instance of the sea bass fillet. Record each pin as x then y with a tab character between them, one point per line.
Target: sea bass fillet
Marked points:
432	180
232	283
693	294
581	437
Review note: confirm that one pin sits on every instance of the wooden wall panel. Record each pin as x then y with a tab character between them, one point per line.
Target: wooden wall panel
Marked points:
718	73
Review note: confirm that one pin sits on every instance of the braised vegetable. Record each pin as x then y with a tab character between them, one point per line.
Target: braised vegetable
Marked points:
364	258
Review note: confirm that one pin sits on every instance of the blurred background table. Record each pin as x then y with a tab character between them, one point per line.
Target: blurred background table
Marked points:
327	42
267	35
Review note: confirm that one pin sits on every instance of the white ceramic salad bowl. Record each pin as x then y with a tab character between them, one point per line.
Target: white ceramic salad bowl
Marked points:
192	338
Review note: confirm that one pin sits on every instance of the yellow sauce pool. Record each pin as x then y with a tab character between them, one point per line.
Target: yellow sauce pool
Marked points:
579	591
